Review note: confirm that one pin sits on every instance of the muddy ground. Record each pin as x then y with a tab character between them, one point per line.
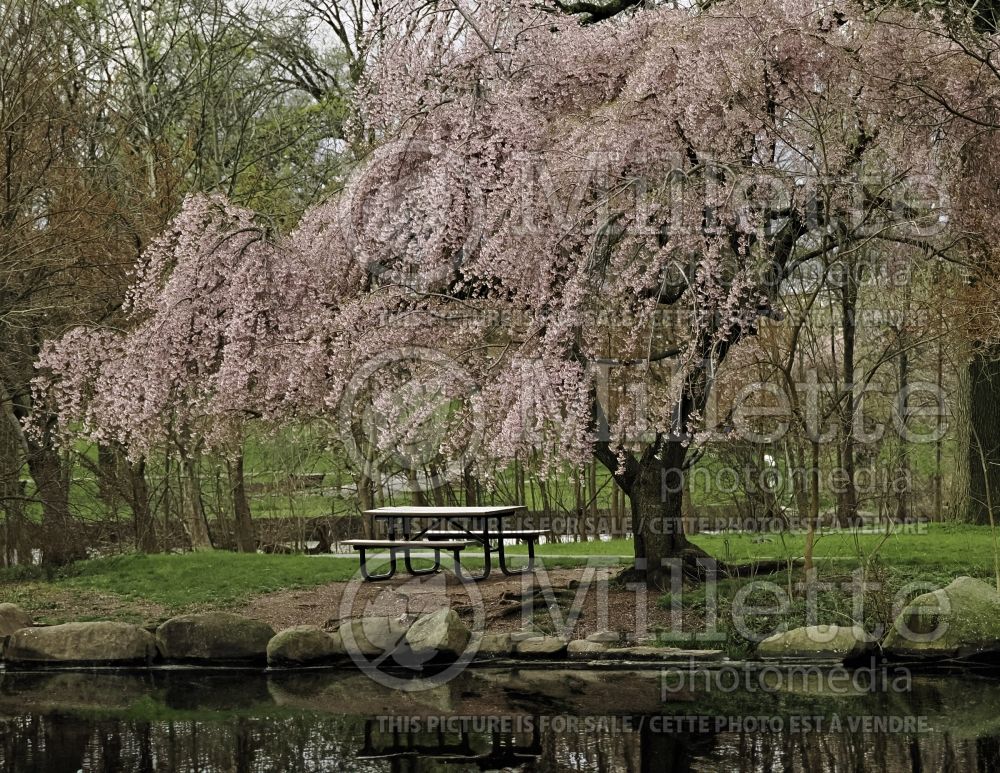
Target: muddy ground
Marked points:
572	602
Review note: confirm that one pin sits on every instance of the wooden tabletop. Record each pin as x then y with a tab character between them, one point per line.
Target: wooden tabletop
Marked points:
453	512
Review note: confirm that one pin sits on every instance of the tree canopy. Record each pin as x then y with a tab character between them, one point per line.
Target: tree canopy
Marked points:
580	221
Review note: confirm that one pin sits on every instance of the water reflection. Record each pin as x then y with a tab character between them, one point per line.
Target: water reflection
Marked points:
182	722
415	750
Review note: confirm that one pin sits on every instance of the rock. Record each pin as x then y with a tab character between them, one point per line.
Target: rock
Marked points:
13	618
214	636
495	645
960	620
441	633
581	649
823	642
91	643
372	636
661	654
303	644
541	646
518	636
605	637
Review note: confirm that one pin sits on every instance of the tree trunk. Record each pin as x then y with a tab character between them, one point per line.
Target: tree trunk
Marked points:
654	486
107	479
246	540
470	484
13	549
120	478
984	436
47	469
656	497
592	483
437	486
903	465
961	426
519	494
416	493
366	501
939	442
195	522
138	500
813	508
847	498
800	481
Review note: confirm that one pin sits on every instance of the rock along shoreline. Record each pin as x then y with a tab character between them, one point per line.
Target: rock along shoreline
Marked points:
957	624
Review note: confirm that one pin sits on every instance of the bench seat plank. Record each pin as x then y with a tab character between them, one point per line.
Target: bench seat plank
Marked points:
413	543
406	547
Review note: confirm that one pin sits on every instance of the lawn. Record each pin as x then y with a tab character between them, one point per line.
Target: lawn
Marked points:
934	546
145	588
931	547
148	588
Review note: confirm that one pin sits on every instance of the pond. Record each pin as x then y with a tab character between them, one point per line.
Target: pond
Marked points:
525	719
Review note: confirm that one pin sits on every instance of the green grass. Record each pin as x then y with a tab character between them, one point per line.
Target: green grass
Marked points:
145	588
935	546
616	547
204	578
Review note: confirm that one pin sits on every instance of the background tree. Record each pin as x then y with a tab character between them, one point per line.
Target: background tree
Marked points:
110	114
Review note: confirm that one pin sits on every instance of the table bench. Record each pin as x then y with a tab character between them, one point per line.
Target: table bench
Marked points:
443	528
454	546
529	536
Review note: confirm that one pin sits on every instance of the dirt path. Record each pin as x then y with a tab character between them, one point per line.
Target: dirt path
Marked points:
546	600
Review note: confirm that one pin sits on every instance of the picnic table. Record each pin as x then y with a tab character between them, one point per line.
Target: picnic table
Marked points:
448	529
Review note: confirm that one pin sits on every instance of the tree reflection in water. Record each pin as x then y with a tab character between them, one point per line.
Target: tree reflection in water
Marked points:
66	743
311	721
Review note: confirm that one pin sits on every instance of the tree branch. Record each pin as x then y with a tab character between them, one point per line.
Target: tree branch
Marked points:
595	12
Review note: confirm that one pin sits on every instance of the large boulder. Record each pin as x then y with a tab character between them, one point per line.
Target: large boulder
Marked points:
439	634
13	618
583	649
959	620
302	645
372	637
541	647
91	643
818	642
495	645
214	636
